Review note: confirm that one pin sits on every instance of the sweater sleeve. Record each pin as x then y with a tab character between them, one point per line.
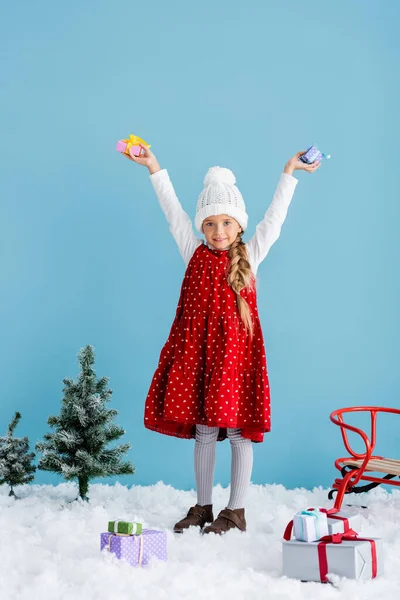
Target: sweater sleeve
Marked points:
269	229
179	221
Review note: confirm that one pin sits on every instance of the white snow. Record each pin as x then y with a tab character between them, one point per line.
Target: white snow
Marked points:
49	549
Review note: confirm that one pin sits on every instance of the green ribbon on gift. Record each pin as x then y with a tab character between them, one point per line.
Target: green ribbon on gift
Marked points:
125	527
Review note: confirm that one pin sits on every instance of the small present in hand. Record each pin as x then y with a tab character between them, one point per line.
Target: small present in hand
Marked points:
313	154
130	146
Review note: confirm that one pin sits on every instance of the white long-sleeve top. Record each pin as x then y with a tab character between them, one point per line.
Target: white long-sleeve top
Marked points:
267	231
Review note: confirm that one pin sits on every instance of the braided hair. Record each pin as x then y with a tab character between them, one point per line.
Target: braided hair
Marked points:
240	276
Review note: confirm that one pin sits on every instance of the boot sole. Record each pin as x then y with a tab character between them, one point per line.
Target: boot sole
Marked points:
201	527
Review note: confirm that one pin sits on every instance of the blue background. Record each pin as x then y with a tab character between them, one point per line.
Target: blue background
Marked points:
86	256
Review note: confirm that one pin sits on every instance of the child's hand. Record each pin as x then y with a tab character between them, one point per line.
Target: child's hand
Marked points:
146	159
295	164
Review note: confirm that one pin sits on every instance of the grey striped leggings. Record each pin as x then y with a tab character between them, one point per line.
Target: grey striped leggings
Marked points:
204	465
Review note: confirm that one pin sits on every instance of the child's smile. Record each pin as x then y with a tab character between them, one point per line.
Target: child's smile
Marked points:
221	231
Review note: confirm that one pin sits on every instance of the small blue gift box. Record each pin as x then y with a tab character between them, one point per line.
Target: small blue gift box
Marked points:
310	525
313	154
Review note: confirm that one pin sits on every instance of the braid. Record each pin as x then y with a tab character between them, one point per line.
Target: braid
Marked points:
240	276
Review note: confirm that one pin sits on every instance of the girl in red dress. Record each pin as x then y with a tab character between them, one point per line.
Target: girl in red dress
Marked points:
212	380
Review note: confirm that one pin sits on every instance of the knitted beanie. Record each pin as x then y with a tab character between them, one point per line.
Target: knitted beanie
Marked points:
220	196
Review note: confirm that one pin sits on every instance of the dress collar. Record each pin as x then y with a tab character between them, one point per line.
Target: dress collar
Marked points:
216	249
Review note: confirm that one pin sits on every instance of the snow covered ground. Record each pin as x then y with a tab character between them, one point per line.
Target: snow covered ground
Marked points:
49	549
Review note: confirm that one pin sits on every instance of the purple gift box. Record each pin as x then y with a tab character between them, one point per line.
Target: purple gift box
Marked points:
313	154
137	550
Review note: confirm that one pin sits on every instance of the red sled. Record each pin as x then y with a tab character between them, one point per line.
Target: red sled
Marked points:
357	467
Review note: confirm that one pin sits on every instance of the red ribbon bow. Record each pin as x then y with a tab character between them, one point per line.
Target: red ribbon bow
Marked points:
337	538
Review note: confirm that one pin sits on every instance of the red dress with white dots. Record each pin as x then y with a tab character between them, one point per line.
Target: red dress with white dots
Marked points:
210	371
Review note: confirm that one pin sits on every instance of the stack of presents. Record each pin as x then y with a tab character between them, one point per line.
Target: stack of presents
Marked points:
326	541
129	541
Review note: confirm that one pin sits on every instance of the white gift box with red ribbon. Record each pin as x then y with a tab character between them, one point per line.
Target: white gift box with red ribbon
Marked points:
342	521
351	557
314	523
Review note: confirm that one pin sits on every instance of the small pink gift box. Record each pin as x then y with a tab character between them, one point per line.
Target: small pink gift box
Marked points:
121	147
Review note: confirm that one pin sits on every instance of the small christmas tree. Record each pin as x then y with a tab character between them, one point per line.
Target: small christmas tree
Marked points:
77	449
16	465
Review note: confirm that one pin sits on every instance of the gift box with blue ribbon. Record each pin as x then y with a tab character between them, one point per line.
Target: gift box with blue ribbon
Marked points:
310	525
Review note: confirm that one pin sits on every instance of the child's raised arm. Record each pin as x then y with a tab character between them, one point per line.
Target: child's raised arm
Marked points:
179	221
269	229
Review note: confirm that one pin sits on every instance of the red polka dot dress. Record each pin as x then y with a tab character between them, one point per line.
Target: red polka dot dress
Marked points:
210	371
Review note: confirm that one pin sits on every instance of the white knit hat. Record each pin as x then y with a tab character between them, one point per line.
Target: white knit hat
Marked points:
220	197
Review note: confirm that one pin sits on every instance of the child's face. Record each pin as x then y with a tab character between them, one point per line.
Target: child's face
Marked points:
220	231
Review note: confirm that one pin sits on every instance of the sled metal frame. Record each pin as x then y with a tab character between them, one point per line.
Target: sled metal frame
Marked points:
356	467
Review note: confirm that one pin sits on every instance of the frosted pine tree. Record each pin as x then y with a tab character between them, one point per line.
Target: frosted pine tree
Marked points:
78	448
16	465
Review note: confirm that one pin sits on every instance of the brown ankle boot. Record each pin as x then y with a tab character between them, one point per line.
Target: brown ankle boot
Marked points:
197	516
227	519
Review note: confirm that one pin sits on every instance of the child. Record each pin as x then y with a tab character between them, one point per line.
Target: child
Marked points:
211	381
